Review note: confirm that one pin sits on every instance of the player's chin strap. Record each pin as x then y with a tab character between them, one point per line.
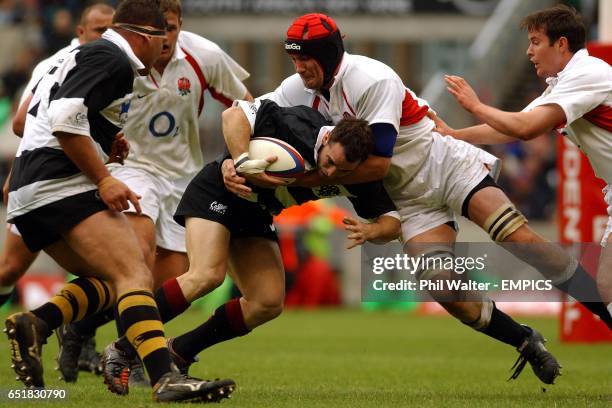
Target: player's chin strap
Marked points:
245	165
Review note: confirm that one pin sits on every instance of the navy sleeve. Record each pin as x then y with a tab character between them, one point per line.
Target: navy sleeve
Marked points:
384	139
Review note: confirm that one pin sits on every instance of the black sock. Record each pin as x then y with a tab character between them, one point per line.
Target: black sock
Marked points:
226	323
144	329
582	287
170	300
504	329
87	326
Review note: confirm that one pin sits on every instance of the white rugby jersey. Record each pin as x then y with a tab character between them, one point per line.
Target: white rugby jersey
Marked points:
45	65
87	94
584	91
163	126
368	89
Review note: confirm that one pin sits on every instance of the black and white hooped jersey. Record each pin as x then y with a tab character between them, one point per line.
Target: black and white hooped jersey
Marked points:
88	93
304	128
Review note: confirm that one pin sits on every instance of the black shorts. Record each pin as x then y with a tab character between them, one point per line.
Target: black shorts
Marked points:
487	181
206	197
45	225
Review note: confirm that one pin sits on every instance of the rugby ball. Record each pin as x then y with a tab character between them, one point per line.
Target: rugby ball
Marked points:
289	163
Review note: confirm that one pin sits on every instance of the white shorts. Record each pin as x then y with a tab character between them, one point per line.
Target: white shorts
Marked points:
608	199
437	191
159	199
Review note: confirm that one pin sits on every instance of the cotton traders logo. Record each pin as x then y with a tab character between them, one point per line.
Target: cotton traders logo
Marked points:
293	47
184	86
218	207
80	118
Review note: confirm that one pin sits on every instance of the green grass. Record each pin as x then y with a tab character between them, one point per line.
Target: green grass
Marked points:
345	358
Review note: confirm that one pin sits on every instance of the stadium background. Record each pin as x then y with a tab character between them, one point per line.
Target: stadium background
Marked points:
421	40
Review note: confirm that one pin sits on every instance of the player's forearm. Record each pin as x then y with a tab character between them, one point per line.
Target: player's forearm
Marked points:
511	124
481	134
385	229
373	169
81	151
236	131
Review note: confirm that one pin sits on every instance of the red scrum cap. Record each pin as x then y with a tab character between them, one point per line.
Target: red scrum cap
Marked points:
317	36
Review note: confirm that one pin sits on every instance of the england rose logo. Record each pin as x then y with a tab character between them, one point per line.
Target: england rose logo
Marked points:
184	86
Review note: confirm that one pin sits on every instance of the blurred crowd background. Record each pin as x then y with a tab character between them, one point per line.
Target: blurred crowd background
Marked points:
420	39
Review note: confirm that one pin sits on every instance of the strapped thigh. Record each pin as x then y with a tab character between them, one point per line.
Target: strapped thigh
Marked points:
503	222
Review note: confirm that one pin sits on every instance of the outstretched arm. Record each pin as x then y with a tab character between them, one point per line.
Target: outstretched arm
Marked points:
519	125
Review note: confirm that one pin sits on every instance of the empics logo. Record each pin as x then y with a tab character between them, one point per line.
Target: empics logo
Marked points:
293	47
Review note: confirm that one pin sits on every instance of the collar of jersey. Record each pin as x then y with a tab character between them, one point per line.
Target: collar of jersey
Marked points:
576	58
114	37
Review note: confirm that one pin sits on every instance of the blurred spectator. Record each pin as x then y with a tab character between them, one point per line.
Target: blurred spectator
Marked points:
62	31
18	73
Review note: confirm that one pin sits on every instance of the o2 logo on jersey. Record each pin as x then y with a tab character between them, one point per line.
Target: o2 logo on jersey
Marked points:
184	86
163	124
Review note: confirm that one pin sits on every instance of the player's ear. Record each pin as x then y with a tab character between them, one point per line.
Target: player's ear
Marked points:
563	43
326	137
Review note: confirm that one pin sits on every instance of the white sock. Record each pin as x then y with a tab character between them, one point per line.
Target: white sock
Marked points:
610	308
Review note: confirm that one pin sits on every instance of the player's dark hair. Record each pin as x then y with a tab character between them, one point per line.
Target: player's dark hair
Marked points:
100	6
173	6
558	21
355	136
140	12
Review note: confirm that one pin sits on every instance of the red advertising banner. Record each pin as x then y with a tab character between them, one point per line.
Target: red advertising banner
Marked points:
582	217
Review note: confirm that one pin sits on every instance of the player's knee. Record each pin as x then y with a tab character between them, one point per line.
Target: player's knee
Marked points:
503	222
264	311
203	280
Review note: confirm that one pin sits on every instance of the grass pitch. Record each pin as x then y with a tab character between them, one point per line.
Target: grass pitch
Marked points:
348	358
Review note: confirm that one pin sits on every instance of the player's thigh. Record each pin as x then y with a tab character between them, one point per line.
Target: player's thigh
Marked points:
256	268
144	228
16	258
107	242
68	259
168	264
492	210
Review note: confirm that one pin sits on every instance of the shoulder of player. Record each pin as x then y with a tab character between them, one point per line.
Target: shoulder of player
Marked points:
367	70
203	50
590	70
105	56
363	74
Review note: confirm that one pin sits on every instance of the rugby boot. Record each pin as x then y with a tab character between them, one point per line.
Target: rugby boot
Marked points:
27	334
176	387
70	347
543	363
90	360
138	377
181	363
116	366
